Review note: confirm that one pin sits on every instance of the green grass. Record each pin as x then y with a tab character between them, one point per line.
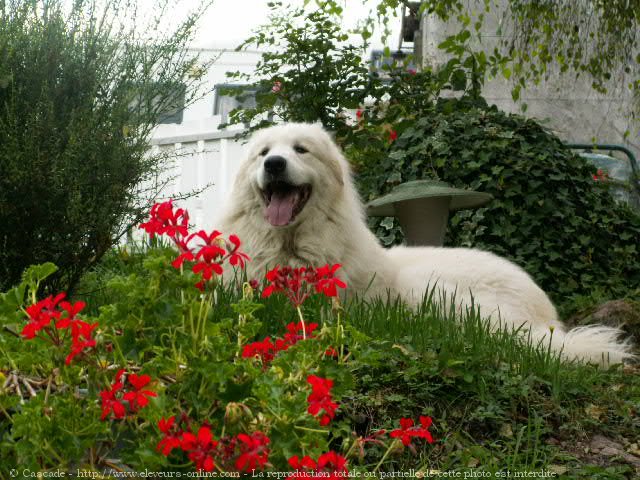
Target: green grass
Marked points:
498	402
498	397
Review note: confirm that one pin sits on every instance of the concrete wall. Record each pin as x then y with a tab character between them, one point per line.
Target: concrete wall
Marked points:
570	107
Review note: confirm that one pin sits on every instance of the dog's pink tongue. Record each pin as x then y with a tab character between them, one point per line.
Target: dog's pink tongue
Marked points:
280	209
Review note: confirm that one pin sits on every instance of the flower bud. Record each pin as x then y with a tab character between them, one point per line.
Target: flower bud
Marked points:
235	411
247	290
336	306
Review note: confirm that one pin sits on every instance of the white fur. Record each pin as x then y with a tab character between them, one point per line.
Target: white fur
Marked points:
332	229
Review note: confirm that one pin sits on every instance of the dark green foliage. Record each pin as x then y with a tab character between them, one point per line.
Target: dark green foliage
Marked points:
548	215
79	95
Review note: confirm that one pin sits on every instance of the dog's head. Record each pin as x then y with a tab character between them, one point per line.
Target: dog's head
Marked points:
294	169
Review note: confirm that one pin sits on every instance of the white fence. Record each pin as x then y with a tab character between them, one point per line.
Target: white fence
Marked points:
205	159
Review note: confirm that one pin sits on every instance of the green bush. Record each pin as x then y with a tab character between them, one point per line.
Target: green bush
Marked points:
548	214
310	72
79	96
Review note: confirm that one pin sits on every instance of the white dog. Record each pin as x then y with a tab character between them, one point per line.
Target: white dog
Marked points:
293	203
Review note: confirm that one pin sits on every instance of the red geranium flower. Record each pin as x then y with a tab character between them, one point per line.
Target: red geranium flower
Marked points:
138	398
254	451
331	352
210	255
393	135
407	430
64	316
290	281
172	435
294	332
326	282
331	462
41	314
163	220
80	338
305	462
207	269
320	398
112	404
298	283
201	448
265	349
71	311
207	258
111	401
236	257
186	255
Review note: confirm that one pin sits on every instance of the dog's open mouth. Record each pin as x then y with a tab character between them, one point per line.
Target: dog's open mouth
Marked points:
284	202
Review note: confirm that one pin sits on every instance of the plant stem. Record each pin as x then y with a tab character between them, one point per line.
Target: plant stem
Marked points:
352	447
386	454
48	391
307	429
6	413
304	330
340	336
9	359
55	454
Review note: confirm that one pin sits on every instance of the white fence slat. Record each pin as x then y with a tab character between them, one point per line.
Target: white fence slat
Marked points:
207	160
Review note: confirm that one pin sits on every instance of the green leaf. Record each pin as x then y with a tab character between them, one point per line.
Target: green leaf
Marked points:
459	80
387	222
515	93
36	273
464	35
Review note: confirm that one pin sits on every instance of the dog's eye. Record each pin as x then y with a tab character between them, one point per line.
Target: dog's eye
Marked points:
264	151
300	149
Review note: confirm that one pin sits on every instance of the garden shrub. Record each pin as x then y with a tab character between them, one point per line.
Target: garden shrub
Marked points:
549	214
79	95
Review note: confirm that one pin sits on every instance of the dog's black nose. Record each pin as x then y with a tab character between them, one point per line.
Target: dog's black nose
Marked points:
275	164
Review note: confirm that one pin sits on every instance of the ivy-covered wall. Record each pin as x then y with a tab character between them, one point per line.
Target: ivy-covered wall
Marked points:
548	214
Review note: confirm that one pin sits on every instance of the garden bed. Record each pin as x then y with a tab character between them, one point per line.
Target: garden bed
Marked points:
157	366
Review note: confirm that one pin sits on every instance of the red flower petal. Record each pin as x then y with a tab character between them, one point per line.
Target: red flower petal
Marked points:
166	425
139	381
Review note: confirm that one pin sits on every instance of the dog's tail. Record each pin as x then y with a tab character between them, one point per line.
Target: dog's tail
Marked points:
593	344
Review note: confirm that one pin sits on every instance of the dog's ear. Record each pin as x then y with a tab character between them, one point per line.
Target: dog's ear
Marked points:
336	161
240	184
